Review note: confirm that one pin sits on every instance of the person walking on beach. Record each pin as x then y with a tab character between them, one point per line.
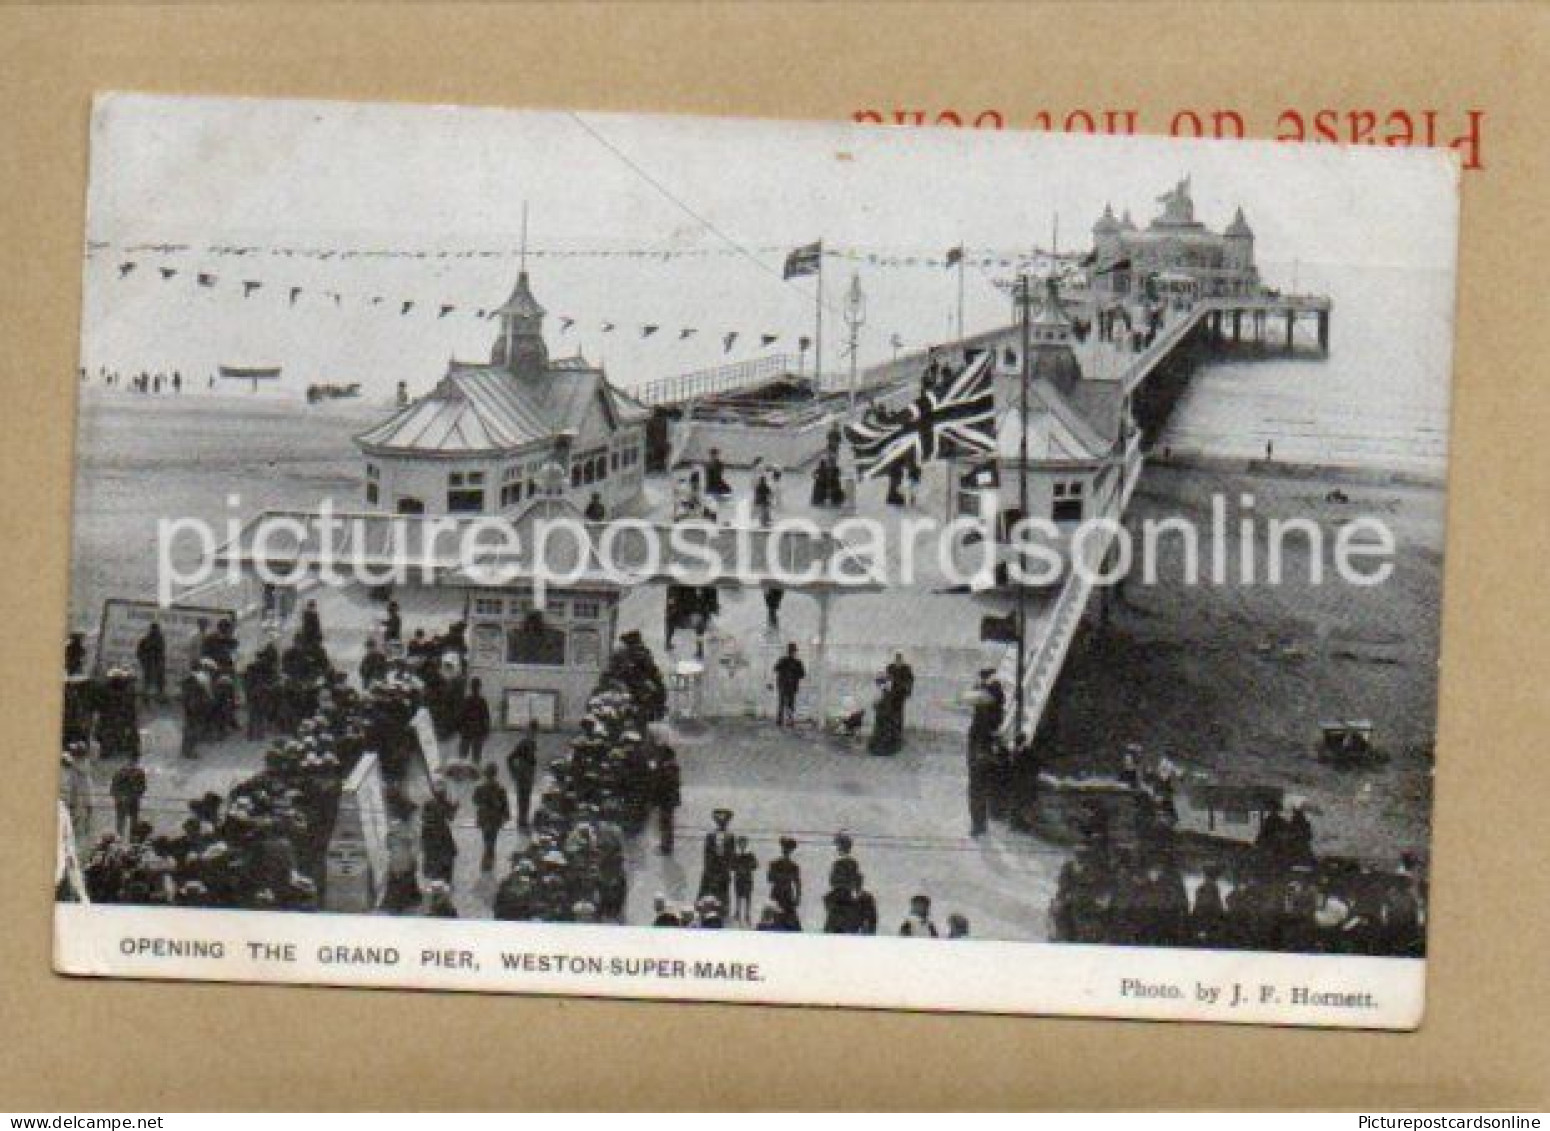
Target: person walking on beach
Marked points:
789	673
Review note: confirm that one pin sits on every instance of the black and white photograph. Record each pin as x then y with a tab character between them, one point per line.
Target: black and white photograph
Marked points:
512	545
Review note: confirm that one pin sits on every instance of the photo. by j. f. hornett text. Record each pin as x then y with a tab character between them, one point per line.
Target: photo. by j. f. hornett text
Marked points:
756	561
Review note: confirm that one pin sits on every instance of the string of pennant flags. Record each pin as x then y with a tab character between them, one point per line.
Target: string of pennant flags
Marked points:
979	257
158	261
292	294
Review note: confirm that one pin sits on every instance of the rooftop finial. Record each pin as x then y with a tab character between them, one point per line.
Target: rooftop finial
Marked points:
522	258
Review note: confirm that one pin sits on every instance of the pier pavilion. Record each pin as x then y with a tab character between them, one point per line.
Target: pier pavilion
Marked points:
479	442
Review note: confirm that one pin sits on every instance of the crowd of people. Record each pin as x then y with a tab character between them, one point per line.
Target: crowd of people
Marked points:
264	844
730	873
144	381
1277	895
616	774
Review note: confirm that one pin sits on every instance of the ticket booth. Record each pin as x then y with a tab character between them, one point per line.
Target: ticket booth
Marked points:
540	659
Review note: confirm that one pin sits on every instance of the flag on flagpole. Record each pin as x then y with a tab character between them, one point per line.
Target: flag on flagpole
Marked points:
647	331
446	309
168	272
954	256
767	340
686	332
957	421
805	260
125	268
206	280
727	342
295	294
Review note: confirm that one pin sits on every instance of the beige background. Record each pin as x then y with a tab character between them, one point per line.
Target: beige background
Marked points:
96	1045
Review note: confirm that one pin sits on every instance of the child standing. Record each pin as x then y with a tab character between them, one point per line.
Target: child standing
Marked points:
744	865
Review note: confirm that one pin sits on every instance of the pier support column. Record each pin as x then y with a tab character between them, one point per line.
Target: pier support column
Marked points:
1291	328
1324	331
1237	325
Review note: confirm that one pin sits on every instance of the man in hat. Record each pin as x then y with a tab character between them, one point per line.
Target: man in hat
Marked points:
918	924
473	724
708	915
522	764
662	915
720	848
846	870
392	624
789	673
374	664
492	809
989	703
716	476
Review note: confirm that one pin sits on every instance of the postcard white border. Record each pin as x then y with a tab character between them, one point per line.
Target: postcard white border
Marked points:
742	966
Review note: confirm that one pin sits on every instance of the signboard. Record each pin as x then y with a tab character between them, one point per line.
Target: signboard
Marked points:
586	648
125	621
522	705
430	748
357	851
486	644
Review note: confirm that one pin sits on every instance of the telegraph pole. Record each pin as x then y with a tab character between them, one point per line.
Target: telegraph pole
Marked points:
1023	295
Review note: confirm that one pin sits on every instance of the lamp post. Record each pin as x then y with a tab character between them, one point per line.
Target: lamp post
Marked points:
855	317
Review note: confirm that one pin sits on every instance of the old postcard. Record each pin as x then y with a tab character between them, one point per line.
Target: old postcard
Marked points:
756	561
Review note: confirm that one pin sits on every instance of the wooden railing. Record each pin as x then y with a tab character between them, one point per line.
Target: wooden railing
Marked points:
720	379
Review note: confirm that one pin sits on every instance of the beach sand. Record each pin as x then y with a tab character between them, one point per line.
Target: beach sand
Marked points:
1234	680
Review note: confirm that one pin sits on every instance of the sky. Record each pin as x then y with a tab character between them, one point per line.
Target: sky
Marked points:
365	176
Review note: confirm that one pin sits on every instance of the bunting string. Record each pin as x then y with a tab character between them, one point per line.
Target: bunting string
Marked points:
242	273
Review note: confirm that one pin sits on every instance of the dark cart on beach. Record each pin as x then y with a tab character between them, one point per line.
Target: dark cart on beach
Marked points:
1347	743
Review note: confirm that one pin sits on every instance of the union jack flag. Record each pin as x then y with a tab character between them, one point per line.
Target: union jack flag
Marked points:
958	420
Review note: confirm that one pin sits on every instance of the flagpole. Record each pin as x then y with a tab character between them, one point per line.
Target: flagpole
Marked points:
960	293
818	322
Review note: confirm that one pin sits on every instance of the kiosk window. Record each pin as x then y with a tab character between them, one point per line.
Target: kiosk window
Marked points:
535	642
